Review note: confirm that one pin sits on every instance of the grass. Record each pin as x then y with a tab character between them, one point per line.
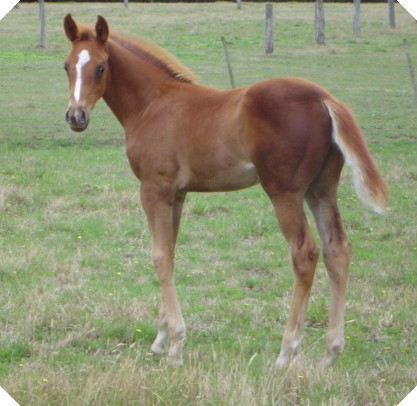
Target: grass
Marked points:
79	297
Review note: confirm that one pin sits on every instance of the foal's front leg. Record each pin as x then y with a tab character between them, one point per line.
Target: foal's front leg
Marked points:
161	206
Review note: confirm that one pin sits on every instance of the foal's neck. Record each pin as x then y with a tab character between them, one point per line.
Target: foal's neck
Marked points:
132	84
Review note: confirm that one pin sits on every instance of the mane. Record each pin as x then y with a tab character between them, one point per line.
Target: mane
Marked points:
148	51
155	55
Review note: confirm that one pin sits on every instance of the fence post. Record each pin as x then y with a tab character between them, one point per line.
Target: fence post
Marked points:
356	17
319	22
229	65
269	30
391	13
42	37
238	4
410	67
125	3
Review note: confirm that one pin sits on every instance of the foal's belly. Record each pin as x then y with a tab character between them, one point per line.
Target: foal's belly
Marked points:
226	177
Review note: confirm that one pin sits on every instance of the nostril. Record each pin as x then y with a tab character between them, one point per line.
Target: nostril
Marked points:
70	117
82	117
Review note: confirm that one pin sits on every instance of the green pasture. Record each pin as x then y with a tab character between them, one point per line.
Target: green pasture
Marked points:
78	295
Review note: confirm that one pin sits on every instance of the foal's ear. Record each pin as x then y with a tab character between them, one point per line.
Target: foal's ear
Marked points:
102	29
70	27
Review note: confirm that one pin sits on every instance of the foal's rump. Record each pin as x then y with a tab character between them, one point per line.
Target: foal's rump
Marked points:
290	132
297	123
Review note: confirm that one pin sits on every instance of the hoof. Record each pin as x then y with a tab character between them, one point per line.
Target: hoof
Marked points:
158	349
332	355
175	357
175	362
282	363
287	354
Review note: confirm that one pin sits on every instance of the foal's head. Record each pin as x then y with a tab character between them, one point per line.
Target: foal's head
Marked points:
87	69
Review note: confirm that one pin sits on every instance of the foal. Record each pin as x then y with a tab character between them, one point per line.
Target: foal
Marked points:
290	135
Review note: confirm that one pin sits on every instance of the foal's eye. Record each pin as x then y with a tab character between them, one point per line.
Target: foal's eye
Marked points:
100	68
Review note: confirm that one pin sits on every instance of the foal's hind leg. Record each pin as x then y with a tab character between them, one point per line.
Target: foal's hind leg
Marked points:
304	254
322	200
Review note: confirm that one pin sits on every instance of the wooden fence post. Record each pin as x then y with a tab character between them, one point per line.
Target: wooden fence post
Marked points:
125	3
229	65
42	36
319	22
356	17
410	67
391	13
269	29
238	4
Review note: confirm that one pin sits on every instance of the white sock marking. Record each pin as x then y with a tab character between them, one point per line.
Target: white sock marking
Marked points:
83	58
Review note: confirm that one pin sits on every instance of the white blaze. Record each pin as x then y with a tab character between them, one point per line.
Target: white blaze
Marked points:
83	58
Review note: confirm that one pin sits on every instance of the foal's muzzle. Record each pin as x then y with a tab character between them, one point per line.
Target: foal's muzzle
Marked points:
77	118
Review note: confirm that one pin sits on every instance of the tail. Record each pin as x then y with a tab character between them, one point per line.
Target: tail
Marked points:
369	184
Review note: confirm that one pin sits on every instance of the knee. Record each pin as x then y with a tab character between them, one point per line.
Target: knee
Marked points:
161	259
158	258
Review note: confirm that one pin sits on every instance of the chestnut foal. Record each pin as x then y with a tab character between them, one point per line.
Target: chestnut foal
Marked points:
290	135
